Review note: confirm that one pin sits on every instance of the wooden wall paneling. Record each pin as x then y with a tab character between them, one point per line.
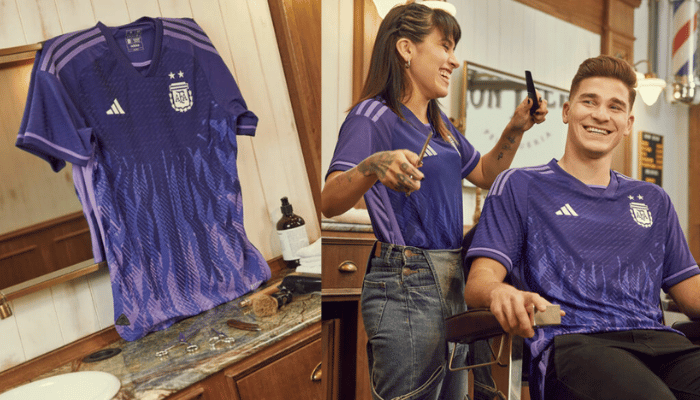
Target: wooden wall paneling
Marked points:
587	14
366	25
75	15
479	34
11	31
298	30
208	15
142	8
511	22
306	30
331	79
491	15
175	8
111	12
277	147
39	20
693	181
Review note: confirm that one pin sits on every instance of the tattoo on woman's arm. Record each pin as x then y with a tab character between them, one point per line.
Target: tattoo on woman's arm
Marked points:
378	166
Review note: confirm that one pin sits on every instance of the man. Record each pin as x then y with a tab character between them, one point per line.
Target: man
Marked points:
599	244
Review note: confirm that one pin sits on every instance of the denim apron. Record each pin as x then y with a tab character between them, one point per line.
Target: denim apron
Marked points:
407	293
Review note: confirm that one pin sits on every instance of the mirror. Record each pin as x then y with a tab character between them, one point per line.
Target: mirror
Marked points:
488	98
42	227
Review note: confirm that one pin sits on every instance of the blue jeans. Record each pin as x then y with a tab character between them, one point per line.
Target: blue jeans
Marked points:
406	296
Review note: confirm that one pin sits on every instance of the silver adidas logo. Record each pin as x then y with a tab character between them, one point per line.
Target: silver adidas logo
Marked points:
429	151
567	210
116	108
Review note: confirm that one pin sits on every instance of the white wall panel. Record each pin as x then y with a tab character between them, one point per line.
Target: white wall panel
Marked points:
11	30
75	15
37	323
175	8
111	12
11	351
75	309
39	19
142	8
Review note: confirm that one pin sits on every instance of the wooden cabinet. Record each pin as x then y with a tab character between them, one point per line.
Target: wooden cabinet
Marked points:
344	258
286	370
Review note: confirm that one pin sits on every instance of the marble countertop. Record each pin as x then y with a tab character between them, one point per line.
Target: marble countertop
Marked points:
145	376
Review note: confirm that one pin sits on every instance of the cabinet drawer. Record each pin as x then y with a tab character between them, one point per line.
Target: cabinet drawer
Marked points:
295	376
345	261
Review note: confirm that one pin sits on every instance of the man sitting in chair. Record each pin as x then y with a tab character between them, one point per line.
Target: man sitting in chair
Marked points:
599	244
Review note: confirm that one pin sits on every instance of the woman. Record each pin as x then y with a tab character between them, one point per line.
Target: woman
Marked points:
414	277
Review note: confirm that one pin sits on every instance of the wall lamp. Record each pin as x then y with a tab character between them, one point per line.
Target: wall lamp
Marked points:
649	86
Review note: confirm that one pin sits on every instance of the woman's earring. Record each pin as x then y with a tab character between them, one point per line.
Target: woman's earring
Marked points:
408	64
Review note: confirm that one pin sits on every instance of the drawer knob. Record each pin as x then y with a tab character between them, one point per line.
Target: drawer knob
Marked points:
347	266
316	373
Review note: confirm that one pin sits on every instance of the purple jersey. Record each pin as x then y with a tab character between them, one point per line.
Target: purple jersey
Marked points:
602	253
430	218
148	114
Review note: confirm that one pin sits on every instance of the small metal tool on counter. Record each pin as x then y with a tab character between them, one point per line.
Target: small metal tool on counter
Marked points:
244	326
181	340
220	337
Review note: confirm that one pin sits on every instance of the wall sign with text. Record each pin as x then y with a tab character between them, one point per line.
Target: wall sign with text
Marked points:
651	157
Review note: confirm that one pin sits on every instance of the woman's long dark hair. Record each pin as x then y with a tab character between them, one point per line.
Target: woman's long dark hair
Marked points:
385	78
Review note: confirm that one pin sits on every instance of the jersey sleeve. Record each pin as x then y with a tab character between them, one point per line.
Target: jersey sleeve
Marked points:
52	127
500	231
222	83
679	263
360	136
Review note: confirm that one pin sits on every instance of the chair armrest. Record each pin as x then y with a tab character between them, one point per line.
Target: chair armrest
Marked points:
472	325
690	329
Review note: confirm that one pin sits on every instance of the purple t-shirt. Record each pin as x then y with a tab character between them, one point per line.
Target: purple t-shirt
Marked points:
148	114
603	254
430	218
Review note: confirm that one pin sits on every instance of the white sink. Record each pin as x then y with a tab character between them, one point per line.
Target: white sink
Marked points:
84	385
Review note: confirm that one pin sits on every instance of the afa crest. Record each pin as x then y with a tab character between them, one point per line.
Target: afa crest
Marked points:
181	96
641	214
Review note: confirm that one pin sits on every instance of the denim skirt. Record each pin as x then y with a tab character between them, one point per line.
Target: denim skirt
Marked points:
407	293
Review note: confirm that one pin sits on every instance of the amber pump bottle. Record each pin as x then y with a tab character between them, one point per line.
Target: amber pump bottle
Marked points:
291	230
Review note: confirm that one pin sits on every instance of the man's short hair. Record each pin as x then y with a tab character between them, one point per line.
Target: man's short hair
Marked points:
606	67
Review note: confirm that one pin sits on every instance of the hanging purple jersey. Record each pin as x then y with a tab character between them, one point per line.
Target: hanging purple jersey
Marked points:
148	113
603	253
430	218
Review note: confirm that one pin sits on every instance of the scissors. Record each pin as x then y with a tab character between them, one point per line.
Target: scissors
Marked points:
182	339
422	152
220	337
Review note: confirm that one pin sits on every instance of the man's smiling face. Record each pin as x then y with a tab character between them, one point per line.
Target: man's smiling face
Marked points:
598	116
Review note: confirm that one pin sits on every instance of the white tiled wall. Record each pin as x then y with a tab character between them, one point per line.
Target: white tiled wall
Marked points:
51	318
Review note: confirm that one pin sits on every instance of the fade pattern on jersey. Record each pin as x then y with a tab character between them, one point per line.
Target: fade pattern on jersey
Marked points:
154	140
602	254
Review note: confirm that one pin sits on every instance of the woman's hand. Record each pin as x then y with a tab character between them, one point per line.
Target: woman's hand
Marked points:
522	120
396	169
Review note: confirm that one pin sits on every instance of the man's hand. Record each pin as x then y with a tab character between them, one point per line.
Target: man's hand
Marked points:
514	309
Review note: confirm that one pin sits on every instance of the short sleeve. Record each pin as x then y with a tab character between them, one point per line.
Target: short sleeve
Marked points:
360	136
501	229
679	263
52	127
222	83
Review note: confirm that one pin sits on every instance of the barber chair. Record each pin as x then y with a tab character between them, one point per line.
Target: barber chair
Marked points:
480	324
